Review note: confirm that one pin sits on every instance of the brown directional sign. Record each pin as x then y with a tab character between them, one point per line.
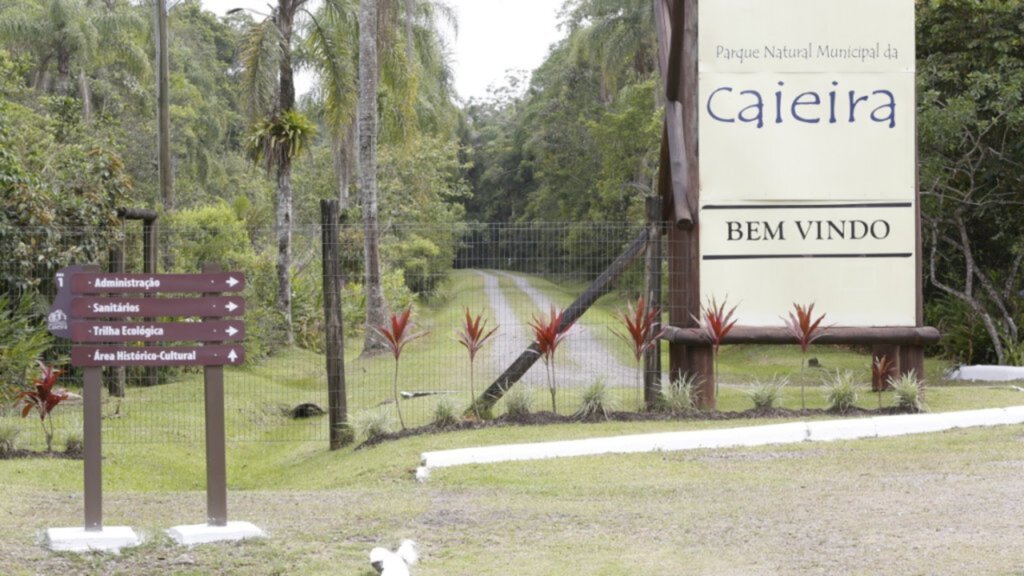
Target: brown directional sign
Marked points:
113	331
208	307
216	355
154	283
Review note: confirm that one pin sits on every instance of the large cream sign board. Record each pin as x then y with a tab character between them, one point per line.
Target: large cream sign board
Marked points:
807	158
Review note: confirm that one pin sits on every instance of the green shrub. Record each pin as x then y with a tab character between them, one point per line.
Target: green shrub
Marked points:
216	234
208	234
841	392
8	439
595	402
680	395
907	392
373	425
519	402
765	394
445	413
308	322
964	338
353	302
423	262
23	340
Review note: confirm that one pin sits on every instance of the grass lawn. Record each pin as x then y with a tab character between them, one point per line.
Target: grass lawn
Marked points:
937	504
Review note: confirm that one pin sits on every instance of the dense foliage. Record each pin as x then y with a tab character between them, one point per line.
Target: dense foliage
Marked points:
575	140
971	114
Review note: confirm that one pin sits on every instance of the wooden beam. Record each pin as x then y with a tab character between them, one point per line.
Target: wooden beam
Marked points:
896	335
678	169
144	214
674	80
663	30
674	168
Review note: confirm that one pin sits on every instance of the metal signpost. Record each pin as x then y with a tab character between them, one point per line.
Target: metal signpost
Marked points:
115	331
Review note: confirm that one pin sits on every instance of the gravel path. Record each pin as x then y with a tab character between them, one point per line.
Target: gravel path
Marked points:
513	337
582	358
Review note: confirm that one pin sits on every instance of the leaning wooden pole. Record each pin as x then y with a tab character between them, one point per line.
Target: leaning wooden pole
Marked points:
597	288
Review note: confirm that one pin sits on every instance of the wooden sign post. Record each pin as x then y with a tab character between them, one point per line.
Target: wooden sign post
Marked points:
103	330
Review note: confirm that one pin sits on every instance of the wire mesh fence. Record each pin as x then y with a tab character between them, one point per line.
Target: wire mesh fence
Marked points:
509	275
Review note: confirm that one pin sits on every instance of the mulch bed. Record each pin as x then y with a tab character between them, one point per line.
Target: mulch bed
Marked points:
21	453
547	418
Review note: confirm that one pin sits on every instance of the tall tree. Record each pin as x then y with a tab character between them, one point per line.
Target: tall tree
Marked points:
332	46
281	131
376	311
618	35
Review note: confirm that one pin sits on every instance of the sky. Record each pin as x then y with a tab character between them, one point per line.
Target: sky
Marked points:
494	36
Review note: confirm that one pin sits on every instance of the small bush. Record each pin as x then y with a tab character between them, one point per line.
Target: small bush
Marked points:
841	392
681	394
766	394
74	444
445	414
346	434
907	392
595	403
373	424
8	440
23	340
519	402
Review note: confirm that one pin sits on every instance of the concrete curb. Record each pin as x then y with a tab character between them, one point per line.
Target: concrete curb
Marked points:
789	433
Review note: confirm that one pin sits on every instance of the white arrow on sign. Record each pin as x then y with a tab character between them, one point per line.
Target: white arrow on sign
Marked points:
231	331
232	281
232	356
231	306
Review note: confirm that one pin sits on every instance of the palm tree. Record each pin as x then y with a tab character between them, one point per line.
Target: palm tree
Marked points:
331	43
63	37
399	58
280	131
616	34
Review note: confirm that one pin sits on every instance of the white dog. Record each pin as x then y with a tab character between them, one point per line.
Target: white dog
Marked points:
388	563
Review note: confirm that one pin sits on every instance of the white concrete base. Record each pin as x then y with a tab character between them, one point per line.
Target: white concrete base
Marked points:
192	534
812	431
987	373
109	539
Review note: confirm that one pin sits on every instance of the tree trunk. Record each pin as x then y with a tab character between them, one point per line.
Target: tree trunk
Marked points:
375	305
410	47
85	91
283	201
165	167
63	87
342	155
283	232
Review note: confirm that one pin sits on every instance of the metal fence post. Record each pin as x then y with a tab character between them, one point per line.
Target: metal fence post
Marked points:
652	292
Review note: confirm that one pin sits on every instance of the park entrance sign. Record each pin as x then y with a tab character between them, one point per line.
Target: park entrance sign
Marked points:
807	159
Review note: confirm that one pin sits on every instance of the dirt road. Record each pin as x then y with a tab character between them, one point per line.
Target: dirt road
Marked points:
582	359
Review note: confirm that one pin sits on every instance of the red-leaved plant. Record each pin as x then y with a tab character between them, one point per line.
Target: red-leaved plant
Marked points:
806	331
643	328
396	337
44	399
881	367
473	335
716	322
548	336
